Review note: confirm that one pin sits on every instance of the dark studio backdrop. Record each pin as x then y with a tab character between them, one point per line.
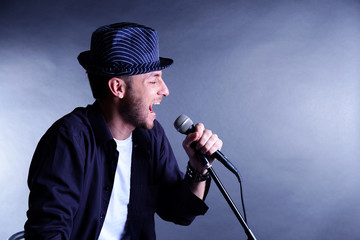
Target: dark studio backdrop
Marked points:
278	81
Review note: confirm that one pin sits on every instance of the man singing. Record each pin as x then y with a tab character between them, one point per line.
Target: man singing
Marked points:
102	171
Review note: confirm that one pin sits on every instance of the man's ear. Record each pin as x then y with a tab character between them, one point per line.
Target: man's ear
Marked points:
117	87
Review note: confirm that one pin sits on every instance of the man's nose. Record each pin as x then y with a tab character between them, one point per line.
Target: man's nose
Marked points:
164	90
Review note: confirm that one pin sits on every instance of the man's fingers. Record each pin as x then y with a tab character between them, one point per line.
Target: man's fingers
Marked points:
206	142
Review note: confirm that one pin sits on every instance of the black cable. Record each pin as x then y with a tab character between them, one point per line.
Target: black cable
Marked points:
242	202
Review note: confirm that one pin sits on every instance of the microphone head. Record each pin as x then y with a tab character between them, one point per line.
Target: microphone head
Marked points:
183	124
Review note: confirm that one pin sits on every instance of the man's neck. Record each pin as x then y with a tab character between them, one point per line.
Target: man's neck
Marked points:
119	129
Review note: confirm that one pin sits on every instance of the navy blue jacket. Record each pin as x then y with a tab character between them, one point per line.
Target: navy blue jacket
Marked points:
72	173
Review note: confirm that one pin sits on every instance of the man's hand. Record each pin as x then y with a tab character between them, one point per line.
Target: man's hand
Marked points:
205	142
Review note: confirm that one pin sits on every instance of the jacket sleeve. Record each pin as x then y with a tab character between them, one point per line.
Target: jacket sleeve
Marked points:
176	201
55	180
179	205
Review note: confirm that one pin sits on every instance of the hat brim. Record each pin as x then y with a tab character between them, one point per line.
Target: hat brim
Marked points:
118	70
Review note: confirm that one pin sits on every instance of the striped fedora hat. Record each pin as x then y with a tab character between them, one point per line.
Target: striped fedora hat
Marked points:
123	49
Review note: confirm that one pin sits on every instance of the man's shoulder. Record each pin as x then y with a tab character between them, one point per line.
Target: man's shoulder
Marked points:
73	123
76	119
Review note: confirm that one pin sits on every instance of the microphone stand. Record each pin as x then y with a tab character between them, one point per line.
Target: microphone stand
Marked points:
227	197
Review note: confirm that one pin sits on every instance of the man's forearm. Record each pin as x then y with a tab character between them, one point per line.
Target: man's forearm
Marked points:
198	188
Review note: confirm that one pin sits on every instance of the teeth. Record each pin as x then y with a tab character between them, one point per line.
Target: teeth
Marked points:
151	109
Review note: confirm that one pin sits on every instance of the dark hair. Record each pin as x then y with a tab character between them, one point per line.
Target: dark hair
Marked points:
99	85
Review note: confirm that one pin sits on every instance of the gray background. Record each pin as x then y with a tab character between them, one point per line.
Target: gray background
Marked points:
278	81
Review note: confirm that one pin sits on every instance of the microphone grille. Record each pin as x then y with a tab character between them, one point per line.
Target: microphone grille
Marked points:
183	123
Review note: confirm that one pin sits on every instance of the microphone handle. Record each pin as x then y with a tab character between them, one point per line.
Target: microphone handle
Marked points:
221	158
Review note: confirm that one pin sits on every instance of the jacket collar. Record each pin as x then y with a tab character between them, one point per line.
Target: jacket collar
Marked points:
98	124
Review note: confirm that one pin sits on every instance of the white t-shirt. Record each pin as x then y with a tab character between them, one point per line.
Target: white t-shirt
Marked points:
116	215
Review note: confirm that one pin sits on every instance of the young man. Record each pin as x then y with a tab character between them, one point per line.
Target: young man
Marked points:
103	171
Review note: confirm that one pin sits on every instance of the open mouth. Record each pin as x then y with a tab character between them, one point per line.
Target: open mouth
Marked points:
151	107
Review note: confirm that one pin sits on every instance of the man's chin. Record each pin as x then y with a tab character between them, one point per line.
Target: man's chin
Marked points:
148	125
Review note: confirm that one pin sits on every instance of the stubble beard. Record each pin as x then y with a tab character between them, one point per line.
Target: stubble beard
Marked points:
135	112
